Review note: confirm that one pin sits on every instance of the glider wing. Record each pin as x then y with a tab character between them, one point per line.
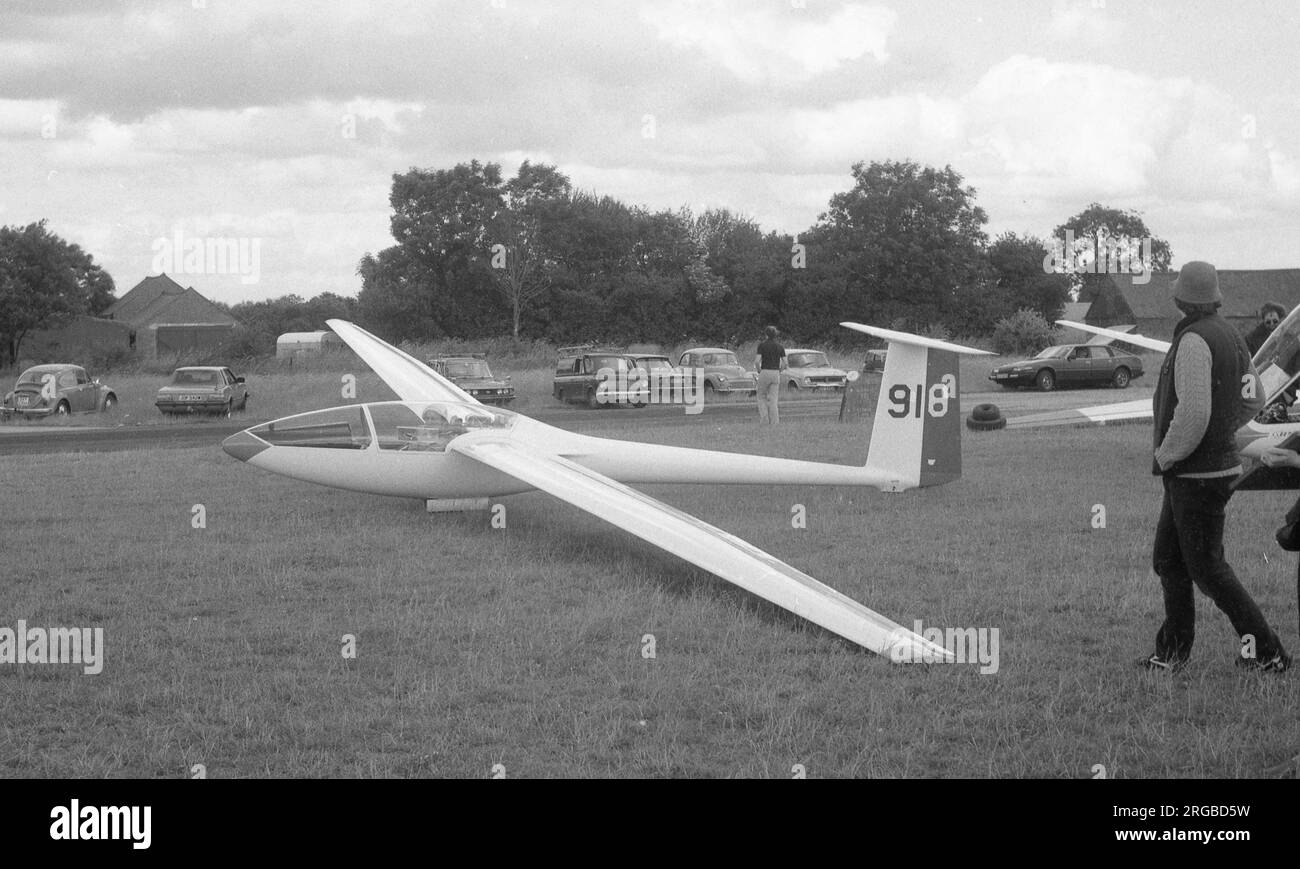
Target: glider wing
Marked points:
1125	411
410	378
701	544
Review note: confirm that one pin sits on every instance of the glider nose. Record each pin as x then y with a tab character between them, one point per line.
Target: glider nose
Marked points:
243	445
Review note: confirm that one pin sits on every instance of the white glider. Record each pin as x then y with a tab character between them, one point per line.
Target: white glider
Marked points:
438	444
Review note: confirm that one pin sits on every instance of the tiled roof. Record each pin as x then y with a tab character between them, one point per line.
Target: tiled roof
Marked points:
159	299
1244	292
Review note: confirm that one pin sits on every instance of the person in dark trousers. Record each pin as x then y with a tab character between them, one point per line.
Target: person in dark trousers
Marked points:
769	361
1207	390
1270	315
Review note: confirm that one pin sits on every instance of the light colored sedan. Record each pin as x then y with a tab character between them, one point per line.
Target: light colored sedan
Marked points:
57	390
203	389
810	369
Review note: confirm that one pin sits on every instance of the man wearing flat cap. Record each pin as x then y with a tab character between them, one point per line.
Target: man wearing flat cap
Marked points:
1207	390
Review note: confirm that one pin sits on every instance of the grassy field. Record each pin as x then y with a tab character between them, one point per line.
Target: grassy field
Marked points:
521	650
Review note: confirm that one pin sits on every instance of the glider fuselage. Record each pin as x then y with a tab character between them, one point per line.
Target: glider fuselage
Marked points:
356	448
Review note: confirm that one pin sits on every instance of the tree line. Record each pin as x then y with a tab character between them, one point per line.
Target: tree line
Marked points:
479	255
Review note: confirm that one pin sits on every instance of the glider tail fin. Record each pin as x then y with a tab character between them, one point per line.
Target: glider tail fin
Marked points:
916	432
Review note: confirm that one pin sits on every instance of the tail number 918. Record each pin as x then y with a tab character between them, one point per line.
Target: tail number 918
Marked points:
908	400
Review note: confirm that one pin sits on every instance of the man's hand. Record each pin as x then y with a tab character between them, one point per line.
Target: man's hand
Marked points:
1275	457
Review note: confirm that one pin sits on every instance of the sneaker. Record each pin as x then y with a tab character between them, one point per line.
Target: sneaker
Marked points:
1279	663
1160	662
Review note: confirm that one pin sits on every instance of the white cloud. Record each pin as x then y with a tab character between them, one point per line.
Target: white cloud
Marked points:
232	117
784	43
913	126
1084	22
29	118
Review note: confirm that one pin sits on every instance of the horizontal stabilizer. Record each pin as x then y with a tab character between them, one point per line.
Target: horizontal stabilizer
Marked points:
915	340
1115	335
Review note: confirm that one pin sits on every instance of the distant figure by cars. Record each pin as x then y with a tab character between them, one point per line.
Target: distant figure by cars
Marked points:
1071	365
471	373
56	390
810	369
723	374
202	389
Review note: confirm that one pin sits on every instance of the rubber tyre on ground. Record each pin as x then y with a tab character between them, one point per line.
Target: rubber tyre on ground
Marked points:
110	402
64	410
985	417
1045	380
1120	380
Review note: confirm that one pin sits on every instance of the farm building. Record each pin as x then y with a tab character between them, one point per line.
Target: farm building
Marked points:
1151	308
170	320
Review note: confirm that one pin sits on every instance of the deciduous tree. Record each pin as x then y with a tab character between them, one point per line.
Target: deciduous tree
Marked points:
44	281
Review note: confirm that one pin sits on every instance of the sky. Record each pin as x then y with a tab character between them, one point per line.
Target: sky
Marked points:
272	130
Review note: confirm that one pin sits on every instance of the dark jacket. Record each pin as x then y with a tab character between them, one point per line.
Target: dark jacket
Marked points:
1230	361
1257	337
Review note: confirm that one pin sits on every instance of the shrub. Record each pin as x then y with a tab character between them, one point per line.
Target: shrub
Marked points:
1024	332
100	360
247	343
936	331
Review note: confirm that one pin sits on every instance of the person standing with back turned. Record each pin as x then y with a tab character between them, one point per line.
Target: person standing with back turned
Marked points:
769	361
1207	390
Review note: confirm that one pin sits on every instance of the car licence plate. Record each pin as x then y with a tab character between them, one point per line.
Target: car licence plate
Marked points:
23	400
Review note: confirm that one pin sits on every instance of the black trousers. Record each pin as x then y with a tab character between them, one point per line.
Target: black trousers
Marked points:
1189	551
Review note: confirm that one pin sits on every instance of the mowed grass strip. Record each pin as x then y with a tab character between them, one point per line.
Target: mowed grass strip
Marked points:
525	646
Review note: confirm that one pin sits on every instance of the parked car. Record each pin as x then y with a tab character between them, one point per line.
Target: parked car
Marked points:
1071	365
722	372
875	360
203	389
597	377
660	375
57	390
471	373
810	369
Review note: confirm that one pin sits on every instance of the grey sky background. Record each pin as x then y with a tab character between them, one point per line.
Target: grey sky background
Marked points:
122	122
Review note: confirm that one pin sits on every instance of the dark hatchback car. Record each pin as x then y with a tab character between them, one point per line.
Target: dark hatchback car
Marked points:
600	378
1071	365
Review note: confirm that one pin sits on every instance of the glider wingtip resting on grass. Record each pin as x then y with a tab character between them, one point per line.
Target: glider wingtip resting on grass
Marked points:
438	444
